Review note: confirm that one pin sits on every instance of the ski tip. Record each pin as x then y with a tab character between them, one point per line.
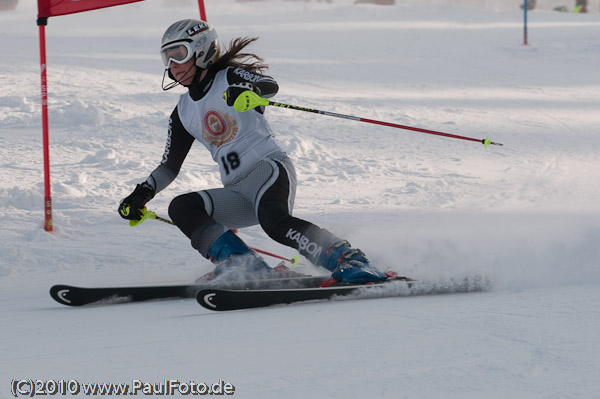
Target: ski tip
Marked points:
206	299
62	294
217	300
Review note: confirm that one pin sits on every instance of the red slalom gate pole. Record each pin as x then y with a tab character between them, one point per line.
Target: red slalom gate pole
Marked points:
202	10
46	140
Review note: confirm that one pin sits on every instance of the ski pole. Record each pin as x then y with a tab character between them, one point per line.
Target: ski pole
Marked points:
293	261
147	214
249	99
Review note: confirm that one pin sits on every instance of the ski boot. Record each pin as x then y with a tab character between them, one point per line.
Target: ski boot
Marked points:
348	265
235	260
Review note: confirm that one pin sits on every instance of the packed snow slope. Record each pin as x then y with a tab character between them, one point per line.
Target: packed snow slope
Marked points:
525	215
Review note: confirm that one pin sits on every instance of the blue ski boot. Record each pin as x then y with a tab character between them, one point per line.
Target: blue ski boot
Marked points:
349	265
233	258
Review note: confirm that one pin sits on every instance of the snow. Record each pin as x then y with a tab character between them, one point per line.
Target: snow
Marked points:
524	215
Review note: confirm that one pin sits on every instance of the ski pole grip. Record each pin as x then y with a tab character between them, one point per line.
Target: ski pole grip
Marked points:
247	100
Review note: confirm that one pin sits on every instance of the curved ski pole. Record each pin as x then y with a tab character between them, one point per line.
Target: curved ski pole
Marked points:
146	214
249	99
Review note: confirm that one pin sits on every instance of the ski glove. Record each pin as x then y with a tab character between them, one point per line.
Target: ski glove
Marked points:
131	207
233	91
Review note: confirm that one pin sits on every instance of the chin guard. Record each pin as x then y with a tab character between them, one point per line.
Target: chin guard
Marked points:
169	86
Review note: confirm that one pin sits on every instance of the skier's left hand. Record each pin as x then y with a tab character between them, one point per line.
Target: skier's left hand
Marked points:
131	207
233	91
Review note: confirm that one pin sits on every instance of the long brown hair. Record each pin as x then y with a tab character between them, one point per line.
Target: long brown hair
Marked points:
232	57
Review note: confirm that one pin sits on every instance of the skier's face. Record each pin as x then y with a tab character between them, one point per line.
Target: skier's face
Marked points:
184	73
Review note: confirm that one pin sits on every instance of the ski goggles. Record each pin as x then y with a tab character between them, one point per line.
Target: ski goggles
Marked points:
179	52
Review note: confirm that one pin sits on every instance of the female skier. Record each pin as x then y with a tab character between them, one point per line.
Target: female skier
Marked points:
258	177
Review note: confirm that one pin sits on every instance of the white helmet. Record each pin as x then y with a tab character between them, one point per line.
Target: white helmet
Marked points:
187	38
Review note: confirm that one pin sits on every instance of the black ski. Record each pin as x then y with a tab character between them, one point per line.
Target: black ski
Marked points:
220	299
230	299
80	296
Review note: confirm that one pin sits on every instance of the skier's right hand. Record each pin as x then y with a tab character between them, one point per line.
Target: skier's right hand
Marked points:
131	206
234	91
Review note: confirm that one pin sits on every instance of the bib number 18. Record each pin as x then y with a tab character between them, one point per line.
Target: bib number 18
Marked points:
230	162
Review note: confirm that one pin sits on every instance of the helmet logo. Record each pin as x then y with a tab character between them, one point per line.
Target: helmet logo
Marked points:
197	29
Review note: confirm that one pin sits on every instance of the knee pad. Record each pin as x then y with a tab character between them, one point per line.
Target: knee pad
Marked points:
182	206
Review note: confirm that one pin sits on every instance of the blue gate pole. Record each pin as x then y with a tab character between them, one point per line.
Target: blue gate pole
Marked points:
525	7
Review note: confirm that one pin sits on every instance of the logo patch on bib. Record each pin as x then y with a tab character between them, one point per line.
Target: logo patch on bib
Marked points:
218	129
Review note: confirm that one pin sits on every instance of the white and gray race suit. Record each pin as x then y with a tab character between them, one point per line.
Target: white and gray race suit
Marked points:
258	177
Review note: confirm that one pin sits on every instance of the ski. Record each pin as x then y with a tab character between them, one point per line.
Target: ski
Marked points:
219	299
80	296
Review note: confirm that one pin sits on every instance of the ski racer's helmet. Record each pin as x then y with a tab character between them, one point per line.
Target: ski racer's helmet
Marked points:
190	38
